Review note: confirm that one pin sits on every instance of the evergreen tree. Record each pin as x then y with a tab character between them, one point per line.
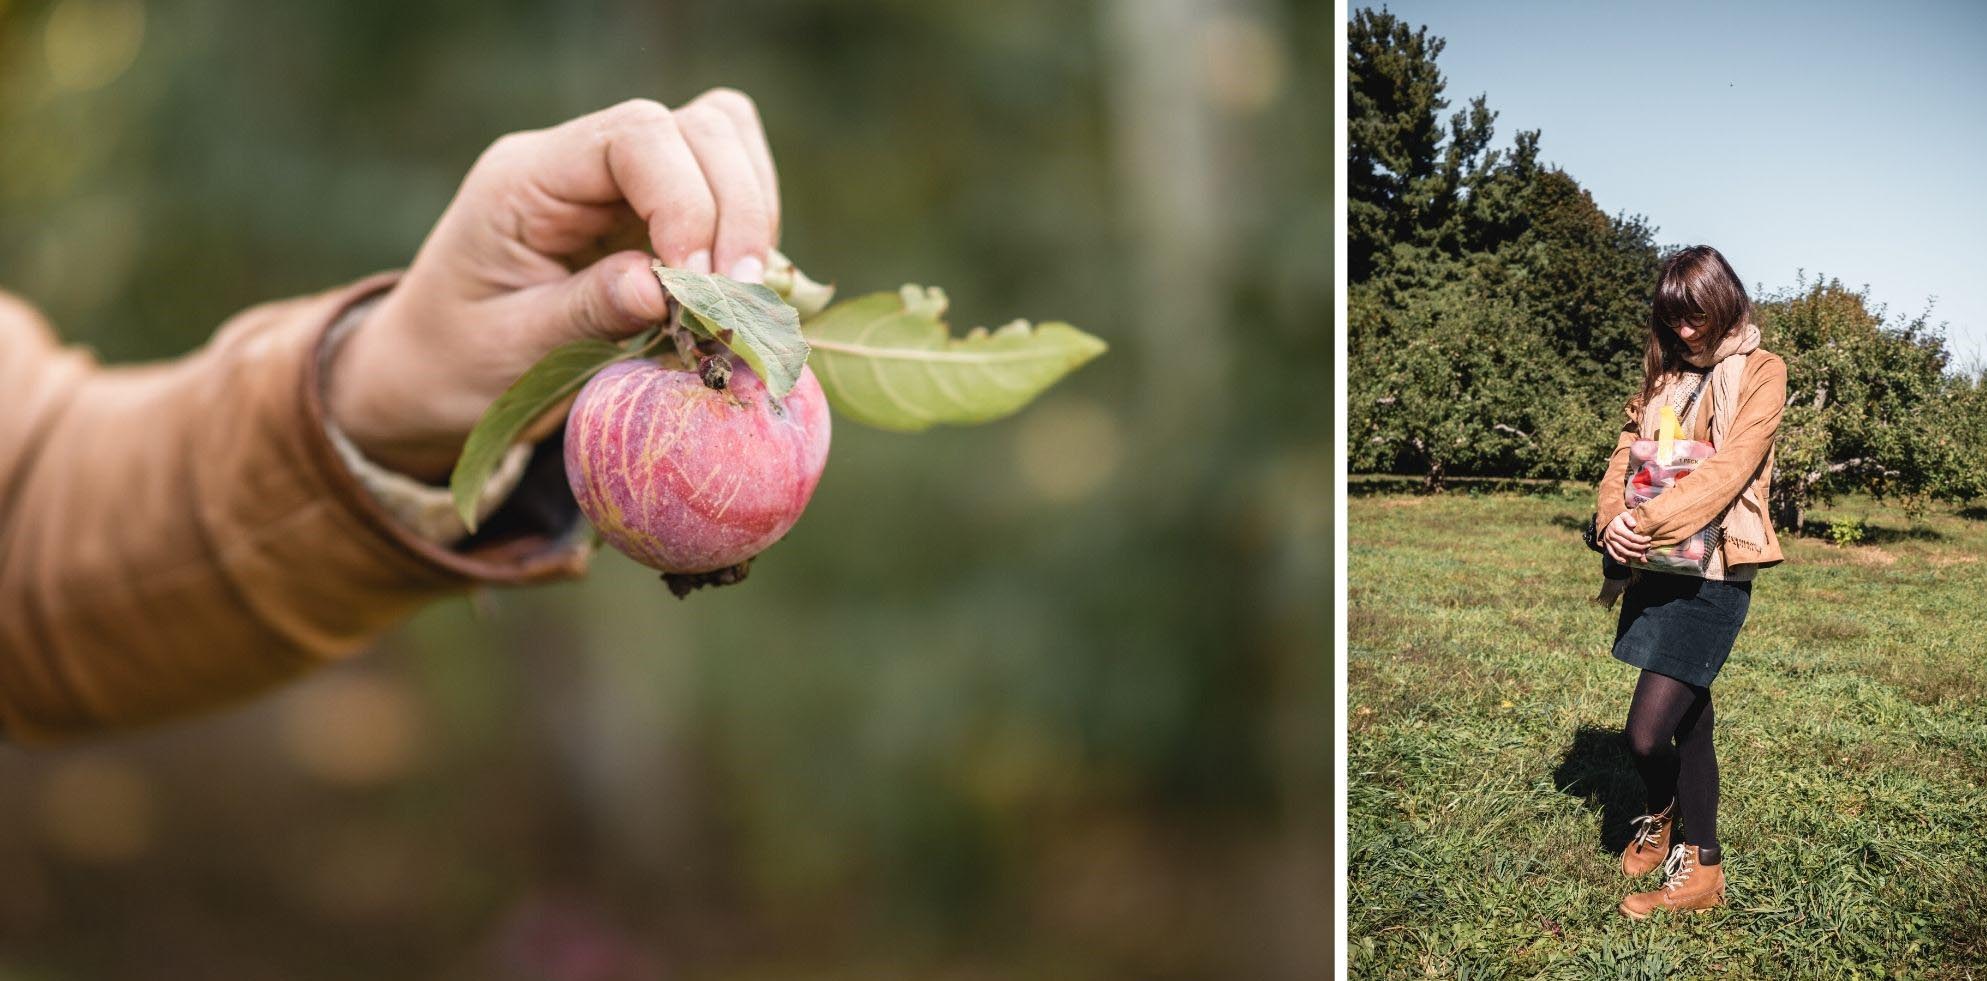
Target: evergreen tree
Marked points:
1402	182
1481	233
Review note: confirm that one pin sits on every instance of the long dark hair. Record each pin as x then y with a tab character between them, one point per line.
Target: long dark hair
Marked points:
1696	283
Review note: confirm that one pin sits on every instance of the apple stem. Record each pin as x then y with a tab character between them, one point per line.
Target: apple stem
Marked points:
686	345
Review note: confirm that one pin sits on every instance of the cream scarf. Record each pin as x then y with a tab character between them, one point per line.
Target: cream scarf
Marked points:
1744	521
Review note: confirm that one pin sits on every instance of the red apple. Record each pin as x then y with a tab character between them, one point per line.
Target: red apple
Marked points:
687	478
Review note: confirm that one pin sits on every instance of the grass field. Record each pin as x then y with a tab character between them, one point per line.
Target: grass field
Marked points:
1491	794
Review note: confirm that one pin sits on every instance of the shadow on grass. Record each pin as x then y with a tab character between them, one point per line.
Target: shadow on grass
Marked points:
1379	485
1824	529
1376	485
1578	526
1598	771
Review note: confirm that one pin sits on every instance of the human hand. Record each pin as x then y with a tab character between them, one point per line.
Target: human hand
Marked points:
1622	542
541	246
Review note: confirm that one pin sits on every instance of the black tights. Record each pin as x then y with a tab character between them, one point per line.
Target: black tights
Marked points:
1665	708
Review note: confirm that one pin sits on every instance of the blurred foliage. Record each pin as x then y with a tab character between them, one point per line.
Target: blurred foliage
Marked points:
1043	697
1497	317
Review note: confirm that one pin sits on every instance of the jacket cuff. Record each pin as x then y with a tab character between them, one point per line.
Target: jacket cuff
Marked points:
534	535
1654	524
429	511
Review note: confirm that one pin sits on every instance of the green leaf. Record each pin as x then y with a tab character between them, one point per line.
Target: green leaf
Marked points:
546	384
696	326
748	318
888	360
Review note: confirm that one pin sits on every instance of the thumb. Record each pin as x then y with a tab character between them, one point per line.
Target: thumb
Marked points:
615	298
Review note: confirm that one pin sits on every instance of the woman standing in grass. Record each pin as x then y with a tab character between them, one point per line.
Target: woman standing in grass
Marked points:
1703	359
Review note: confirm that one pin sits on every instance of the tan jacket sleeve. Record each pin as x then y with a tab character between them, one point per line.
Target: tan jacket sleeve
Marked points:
177	535
1608	498
1700	496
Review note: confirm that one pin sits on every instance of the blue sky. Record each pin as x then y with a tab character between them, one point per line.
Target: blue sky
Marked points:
1848	140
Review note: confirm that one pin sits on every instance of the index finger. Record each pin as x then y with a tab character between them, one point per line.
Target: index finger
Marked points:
744	115
630	152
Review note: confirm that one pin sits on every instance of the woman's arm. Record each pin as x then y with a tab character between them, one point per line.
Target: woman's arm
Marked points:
1609	500
174	536
1700	496
177	535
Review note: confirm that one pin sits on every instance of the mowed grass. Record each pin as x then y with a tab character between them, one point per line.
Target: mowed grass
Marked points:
1490	792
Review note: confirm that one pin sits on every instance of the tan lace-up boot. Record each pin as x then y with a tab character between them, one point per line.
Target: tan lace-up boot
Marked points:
1686	885
1645	850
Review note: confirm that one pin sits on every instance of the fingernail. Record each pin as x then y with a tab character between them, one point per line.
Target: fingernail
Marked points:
750	269
699	261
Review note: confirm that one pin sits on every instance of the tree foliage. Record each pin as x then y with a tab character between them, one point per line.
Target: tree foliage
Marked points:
1498	315
1441	377
1870	406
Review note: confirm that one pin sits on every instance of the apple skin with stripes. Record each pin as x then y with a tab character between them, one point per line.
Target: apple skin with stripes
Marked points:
687	478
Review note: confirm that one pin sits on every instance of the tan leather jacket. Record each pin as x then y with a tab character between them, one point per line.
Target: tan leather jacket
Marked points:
1698	499
180	534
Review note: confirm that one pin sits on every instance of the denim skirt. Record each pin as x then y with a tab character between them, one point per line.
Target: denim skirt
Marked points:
1681	626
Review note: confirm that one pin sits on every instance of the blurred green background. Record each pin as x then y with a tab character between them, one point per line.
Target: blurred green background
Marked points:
1049	697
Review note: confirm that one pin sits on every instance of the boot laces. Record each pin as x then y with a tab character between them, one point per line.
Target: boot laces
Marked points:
1652	828
1677	867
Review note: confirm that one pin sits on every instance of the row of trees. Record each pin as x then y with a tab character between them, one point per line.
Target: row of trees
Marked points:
1497	317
